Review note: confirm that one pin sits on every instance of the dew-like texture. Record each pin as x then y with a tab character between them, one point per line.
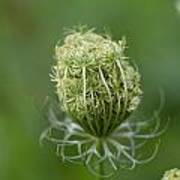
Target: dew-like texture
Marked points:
173	174
96	84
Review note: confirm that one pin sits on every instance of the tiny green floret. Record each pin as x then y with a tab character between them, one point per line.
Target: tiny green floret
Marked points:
96	84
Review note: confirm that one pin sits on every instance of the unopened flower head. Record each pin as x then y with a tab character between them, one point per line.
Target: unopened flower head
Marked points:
96	85
98	89
173	174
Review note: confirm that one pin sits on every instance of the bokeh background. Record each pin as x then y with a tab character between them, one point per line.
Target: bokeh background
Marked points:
29	30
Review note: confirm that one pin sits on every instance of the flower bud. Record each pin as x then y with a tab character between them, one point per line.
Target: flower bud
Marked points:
96	84
98	90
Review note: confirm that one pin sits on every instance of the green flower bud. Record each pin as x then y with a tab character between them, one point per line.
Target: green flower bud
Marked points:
98	90
173	174
96	85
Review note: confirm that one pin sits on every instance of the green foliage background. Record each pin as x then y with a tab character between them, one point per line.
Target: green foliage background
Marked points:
29	30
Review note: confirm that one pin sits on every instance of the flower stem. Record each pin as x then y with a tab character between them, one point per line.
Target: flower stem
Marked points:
101	171
101	167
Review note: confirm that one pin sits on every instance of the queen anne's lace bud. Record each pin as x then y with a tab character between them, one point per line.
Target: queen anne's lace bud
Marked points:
98	90
96	85
173	174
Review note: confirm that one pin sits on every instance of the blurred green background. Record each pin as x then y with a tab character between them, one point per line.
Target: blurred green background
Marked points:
29	30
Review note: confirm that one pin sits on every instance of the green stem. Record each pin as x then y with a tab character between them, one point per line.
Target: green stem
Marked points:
101	171
101	168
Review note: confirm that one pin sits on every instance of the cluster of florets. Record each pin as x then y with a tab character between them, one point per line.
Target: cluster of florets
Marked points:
96	85
98	90
173	174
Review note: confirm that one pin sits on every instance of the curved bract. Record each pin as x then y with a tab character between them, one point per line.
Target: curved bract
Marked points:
97	86
120	149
